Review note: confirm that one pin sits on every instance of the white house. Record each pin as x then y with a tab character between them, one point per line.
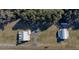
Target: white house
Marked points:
63	33
24	35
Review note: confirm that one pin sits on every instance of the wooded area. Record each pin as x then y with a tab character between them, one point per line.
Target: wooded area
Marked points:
45	17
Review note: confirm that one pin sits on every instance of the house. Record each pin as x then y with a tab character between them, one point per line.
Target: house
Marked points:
24	35
63	32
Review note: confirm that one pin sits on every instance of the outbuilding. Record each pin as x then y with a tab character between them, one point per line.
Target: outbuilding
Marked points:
63	34
24	35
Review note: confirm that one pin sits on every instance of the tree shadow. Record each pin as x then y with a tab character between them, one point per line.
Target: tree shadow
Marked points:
75	26
71	19
28	24
6	21
20	25
33	26
65	21
1	26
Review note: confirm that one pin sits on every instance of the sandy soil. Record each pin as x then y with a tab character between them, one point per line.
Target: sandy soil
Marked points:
46	41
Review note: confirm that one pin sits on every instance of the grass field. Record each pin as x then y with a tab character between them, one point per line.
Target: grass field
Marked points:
47	39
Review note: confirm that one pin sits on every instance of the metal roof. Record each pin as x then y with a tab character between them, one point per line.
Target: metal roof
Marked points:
63	34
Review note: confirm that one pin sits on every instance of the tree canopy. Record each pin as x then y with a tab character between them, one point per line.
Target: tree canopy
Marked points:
52	16
31	14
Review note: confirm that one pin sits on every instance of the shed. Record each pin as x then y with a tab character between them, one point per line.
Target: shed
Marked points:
63	33
24	35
